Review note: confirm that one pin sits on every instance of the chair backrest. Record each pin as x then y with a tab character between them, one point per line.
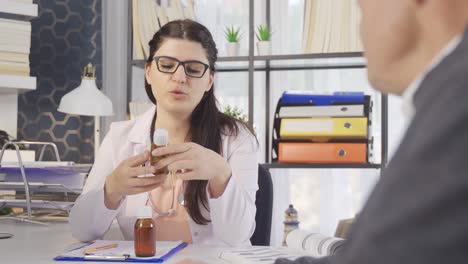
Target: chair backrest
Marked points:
264	204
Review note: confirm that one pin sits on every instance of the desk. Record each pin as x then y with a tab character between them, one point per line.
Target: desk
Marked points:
40	244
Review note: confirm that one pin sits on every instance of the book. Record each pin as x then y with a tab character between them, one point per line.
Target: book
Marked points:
13	73
15	48
299	243
123	251
24	1
17	25
18	7
315	244
14	57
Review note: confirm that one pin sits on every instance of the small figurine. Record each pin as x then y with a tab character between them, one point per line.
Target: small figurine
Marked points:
290	222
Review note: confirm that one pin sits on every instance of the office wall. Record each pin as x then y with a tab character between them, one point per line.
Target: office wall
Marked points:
65	37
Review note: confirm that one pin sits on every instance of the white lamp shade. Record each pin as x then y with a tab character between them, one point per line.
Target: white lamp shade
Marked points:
86	99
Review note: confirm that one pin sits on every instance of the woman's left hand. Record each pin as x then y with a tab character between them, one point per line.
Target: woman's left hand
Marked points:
194	162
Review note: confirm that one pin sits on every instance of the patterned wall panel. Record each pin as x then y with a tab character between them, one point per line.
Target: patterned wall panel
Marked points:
66	36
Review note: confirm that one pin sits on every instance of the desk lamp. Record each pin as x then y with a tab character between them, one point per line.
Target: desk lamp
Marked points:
87	100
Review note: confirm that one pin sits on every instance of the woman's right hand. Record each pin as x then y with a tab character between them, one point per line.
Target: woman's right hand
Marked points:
124	180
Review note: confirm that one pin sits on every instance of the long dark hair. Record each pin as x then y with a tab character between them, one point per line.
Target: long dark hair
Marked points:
207	123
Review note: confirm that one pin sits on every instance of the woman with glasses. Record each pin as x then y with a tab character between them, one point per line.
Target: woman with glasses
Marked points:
209	195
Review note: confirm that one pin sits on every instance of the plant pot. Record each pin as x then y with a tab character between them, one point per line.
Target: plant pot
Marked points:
232	48
264	48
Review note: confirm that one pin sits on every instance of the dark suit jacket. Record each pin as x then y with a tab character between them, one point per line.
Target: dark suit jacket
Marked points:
418	211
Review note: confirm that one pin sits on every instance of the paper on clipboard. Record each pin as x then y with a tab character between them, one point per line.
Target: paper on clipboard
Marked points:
164	250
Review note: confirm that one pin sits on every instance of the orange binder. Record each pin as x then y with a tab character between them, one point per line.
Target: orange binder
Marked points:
298	152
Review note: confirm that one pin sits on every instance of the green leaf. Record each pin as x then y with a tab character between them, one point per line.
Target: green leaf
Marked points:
263	33
232	33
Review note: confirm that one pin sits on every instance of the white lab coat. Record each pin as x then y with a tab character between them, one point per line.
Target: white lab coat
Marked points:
232	214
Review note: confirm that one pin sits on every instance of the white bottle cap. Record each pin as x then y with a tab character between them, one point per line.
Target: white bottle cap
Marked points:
145	212
161	137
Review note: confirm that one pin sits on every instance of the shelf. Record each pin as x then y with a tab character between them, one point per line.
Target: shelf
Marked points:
38	187
280	165
250	62
16	10
14	84
236	58
285	67
322	66
340	55
38	204
310	56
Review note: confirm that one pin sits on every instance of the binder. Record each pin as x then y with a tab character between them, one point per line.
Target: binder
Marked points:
322	111
299	152
123	253
308	97
322	129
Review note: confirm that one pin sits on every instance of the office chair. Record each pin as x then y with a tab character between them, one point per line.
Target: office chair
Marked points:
264	204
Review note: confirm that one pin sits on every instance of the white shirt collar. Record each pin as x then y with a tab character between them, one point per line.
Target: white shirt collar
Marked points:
408	94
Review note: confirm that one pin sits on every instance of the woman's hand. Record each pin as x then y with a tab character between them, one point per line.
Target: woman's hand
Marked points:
124	180
194	162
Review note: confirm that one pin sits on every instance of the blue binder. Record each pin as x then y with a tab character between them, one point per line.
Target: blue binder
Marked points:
306	97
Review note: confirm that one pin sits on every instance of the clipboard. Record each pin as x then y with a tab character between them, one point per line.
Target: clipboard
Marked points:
124	252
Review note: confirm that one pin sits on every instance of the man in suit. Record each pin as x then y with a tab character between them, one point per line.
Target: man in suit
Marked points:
418	211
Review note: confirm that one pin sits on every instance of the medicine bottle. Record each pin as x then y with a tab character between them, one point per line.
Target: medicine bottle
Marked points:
160	139
145	233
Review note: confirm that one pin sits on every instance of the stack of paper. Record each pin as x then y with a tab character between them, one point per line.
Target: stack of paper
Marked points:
15	37
15	43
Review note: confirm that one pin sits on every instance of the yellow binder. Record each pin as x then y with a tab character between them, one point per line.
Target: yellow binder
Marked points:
320	129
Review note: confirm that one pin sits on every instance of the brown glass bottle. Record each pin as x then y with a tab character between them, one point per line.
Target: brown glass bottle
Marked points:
160	139
145	235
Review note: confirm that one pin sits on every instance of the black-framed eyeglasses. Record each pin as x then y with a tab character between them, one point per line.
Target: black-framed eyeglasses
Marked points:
192	68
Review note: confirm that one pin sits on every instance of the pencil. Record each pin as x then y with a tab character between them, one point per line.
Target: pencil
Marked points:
90	250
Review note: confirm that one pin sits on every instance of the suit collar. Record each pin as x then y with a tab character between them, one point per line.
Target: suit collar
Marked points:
140	132
432	83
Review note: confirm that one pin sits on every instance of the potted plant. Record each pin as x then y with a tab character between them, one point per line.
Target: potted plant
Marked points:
232	36
264	40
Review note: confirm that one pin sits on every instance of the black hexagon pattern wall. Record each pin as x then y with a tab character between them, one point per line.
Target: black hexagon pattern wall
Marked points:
65	37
